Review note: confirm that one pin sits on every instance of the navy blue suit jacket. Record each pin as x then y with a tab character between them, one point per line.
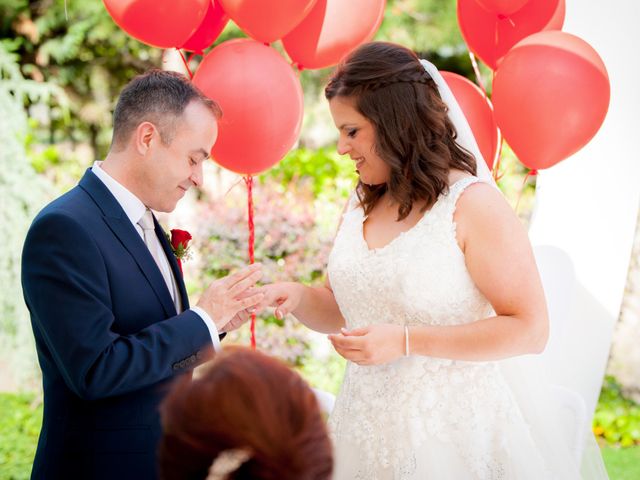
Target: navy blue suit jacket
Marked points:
108	338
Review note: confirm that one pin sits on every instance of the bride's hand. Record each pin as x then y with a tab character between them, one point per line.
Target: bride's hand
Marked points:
372	345
285	296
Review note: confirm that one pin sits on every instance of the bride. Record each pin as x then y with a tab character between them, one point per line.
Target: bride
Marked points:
431	285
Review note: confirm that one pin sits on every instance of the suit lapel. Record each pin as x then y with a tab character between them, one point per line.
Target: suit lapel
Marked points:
126	233
175	269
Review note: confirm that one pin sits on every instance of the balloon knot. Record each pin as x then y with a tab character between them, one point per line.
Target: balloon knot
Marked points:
502	16
533	172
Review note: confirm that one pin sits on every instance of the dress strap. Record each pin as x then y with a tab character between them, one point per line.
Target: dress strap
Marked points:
456	190
458	187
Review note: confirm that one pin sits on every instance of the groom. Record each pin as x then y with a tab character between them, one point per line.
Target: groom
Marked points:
109	310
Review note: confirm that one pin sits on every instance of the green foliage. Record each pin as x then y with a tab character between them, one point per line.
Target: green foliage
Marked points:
20	89
422	25
76	45
617	419
323	369
622	463
291	243
297	208
43	160
22	192
326	172
20	421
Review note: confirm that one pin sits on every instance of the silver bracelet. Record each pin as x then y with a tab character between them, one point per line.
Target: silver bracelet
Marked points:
406	341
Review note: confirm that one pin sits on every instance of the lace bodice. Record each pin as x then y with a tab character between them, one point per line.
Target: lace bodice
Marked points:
389	410
420	277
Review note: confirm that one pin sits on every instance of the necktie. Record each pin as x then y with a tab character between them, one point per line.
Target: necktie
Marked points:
153	244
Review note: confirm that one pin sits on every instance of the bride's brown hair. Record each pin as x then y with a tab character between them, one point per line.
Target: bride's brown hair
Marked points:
249	401
414	135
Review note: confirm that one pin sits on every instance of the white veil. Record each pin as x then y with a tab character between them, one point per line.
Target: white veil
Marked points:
465	138
558	422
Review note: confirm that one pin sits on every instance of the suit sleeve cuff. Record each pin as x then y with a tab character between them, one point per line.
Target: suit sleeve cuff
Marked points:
213	330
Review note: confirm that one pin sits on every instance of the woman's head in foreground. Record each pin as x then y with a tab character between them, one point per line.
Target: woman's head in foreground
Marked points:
250	416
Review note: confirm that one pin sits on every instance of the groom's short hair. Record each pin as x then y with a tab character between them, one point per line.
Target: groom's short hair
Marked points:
159	97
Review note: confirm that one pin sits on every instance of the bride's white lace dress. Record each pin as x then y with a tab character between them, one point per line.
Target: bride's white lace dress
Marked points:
420	417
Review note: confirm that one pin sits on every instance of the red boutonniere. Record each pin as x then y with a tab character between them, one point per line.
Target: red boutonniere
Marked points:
180	245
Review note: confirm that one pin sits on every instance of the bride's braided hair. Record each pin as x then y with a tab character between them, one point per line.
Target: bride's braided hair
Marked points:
410	77
414	135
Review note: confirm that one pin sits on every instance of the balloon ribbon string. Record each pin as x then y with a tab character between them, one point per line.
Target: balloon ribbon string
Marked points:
186	64
252	237
530	173
496	168
501	18
297	68
497	176
476	70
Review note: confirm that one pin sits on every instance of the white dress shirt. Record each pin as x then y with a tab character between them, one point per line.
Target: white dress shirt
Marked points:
134	209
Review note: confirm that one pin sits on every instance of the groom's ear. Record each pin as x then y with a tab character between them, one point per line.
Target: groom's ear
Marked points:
145	135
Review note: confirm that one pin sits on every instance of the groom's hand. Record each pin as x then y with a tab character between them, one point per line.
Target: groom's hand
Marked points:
242	316
237	321
228	296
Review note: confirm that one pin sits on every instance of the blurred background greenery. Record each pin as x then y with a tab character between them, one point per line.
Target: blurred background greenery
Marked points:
62	65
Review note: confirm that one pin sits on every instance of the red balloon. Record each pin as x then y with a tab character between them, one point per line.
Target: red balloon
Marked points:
159	23
503	7
479	113
331	30
212	25
550	96
267	21
557	20
261	100
490	36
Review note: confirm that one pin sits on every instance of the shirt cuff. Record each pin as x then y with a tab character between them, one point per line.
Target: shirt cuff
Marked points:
213	330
